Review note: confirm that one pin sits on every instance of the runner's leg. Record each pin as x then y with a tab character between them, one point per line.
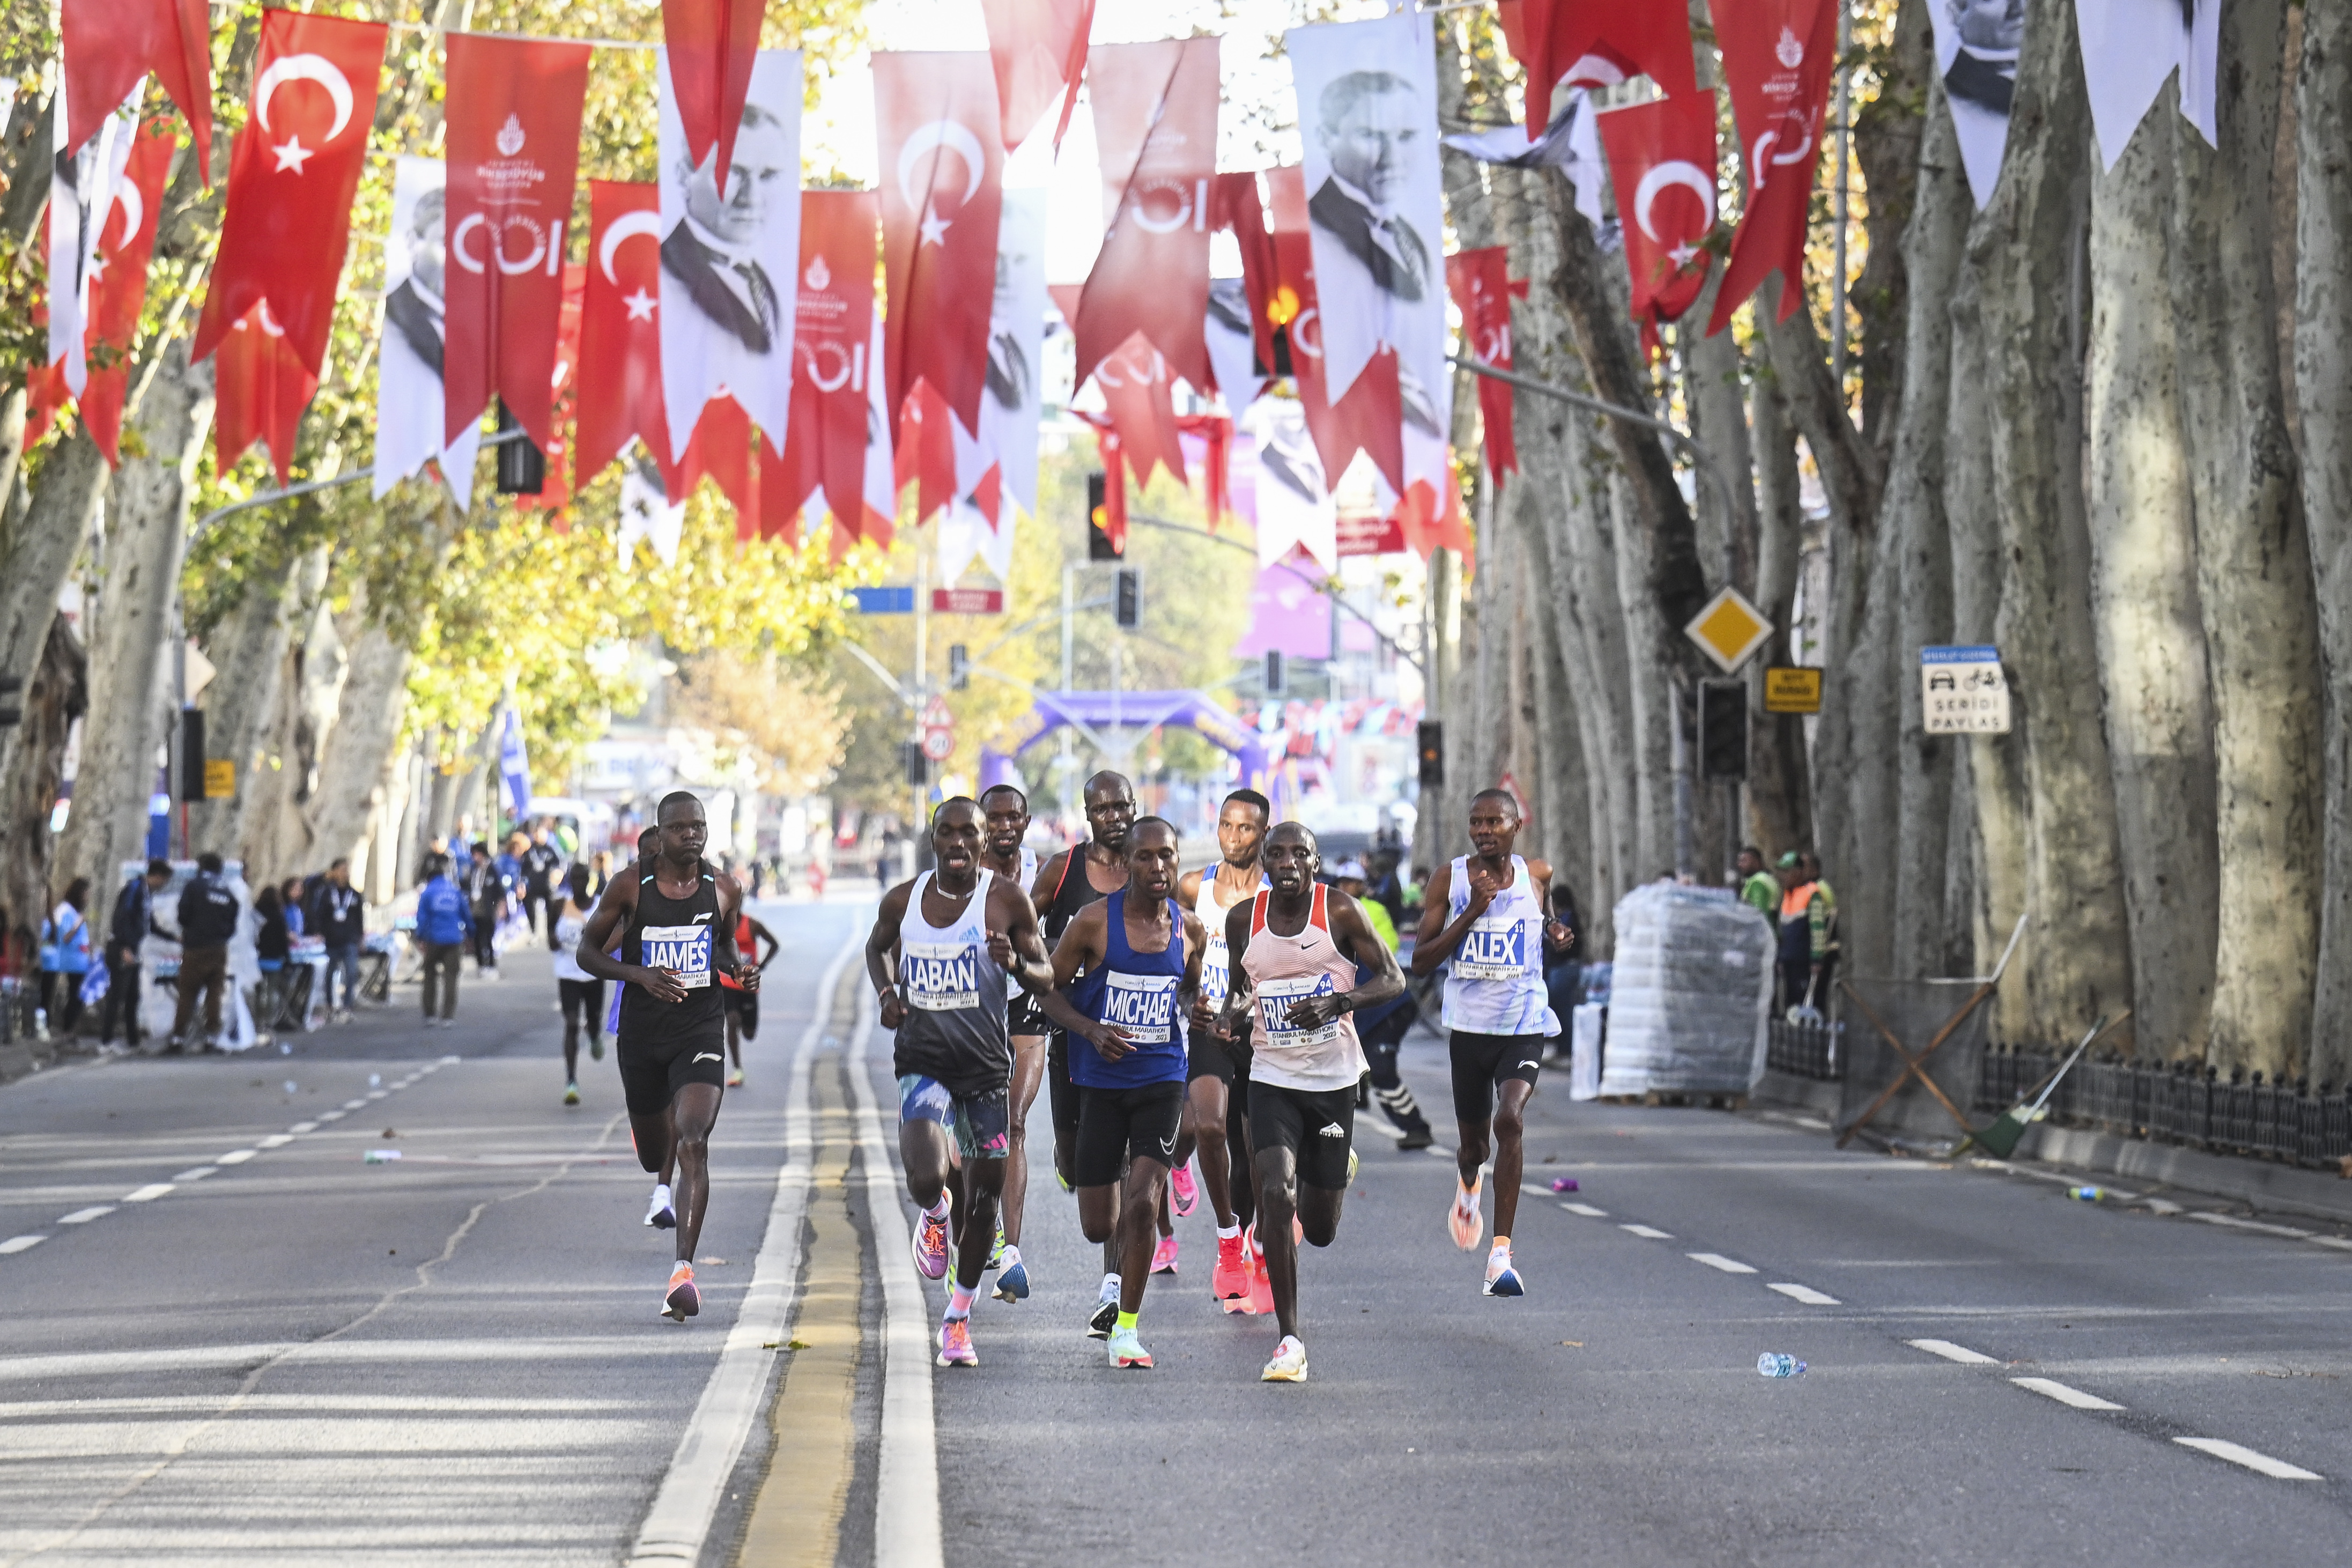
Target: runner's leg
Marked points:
1028	1073
1510	1152
693	1112
1205	1120
1140	1198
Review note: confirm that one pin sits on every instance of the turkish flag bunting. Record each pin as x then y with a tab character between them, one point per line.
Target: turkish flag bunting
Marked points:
620	385
925	455
1662	159
1155	108
291	175
720	447
711	45
1370	417
514	146
1598	43
109	44
1480	282
262	387
824	444
1234	204
1778	59
943	167
1138	395
1038	48
556	493
126	242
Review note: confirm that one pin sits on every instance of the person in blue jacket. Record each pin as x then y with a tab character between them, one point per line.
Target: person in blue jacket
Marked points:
445	919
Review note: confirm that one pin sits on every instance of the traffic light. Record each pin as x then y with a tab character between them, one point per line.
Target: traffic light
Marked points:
1127	601
917	766
1275	673
958	666
12	700
1429	738
1723	729
1100	546
191	753
522	467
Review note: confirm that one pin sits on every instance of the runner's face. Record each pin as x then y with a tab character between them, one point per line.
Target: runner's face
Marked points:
683	834
1291	863
955	839
1151	864
1109	812
1240	830
1008	824
1493	827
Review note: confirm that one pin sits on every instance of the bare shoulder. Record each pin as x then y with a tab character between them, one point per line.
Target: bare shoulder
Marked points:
1539	870
1009	904
1049	876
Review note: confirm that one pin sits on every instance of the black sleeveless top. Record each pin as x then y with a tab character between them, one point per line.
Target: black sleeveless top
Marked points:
1074	892
677	934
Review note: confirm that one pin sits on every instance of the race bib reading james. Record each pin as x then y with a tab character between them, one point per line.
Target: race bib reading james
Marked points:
684	951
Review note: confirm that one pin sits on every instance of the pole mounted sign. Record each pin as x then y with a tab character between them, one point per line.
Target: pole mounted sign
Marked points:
1962	690
939	730
1729	630
1792	689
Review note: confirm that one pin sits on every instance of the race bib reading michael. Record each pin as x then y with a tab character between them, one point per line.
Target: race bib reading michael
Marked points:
1142	1005
1274	998
1494	948
941	977
684	951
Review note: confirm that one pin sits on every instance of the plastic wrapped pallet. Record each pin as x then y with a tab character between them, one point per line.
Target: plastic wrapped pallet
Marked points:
1691	994
1584	1051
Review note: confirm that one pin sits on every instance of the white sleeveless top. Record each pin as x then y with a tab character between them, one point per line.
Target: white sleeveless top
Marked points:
1216	958
1283	970
1494	980
954	1029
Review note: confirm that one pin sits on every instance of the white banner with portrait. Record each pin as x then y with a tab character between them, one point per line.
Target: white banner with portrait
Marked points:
1975	55
2130	47
1293	497
1013	405
416	328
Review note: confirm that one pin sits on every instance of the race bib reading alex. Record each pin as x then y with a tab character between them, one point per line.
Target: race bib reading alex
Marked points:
1493	949
684	951
1142	1005
941	977
1274	998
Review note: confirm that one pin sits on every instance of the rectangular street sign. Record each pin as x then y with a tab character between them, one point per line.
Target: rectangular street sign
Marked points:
884	601
220	778
1792	689
967	601
1962	690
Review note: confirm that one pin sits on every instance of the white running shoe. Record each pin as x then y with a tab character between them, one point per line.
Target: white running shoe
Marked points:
1289	1363
658	1214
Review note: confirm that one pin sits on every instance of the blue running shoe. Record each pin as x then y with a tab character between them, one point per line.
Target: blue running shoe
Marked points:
1013	1280
1506	1283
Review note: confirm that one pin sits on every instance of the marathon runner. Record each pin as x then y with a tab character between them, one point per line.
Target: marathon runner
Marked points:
1215	1062
1297	951
1485	912
677	921
1125	974
743	1006
1005	816
942	949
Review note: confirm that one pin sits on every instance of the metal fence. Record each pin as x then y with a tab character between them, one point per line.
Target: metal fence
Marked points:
2169	1102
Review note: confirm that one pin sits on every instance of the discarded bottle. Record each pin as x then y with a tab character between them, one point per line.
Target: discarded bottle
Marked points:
1772	1363
40	1023
2087	1194
291	1086
375	1081
1563	1184
379	1156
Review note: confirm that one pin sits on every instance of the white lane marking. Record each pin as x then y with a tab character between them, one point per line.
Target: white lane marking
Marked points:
1646	1233
679	1523
2335	1241
907	1490
2234	1223
1438	1152
83	1216
304	1127
350	1105
1587	1210
377	1093
333	1116
2277	1469
147	1193
1951	1352
275	1141
1805	1294
1717	1260
348	1352
2161	1206
197	1174
2066	1395
20	1244
235	1157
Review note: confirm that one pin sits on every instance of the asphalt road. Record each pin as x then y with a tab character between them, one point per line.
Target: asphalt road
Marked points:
304	1358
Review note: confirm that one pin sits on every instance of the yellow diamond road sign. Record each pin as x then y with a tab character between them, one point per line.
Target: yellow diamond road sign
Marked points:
1730	629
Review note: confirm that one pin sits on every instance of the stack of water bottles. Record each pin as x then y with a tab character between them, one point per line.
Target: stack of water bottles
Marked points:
1691	994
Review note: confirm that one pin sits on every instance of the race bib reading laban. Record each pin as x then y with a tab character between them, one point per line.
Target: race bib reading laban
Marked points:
1142	1005
940	976
684	951
1274	998
1493	949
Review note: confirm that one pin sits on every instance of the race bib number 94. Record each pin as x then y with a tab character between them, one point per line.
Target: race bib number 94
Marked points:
684	951
1142	1005
1274	999
941	977
1496	951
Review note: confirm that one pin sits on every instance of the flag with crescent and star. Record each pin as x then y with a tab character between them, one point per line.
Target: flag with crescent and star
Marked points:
109	45
942	164
514	107
1662	158
620	385
1480	282
261	389
825	448
1596	43
291	175
1779	57
82	194
1038	49
1155	108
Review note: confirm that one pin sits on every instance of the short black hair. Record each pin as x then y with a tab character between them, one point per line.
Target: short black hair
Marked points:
482	847
1005	789
160	868
1109	777
677	797
437	865
1141	822
1752	850
954	800
1304	831
1251	797
1502	794
208	861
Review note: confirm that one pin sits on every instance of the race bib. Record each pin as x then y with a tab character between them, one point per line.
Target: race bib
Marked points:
1494	948
684	951
1142	1005
1216	971
1274	998
940	976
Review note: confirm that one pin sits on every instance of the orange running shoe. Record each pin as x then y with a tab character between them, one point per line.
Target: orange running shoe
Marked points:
1230	1281
1466	1221
1261	1296
683	1300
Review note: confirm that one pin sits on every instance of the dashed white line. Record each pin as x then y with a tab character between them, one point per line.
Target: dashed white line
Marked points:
1951	1352
198	1173
147	1193
1587	1210
350	1105
2234	1223
1646	1233
2065	1393
333	1116
275	1141
304	1127
2277	1469
1806	1295
20	1244
1717	1260
83	1216
235	1157
2336	1242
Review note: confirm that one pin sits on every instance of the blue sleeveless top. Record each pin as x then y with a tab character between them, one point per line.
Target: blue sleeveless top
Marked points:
1137	992
1495	981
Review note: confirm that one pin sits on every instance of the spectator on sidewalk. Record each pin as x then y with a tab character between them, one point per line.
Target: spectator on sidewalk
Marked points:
208	915
1381	1029
541	862
1564	970
338	917
65	957
444	918
290	902
1832	947
1757	887
486	897
134	919
1806	916
271	943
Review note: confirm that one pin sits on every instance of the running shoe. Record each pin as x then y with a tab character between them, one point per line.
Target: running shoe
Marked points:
955	1344
1013	1284
1106	1318
930	1242
1261	1296
570	1094
1185	1190
1503	1281
595	1047
996	1252
1229	1280
1289	1363
1467	1220
658	1214
1163	1257
735	1077
1354	1164
1126	1350
683	1300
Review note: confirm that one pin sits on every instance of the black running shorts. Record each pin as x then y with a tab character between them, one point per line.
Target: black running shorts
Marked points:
1317	1126
745	1006
1062	1094
1024	1015
652	1071
1209	1056
1119	1125
1482	1063
583	1000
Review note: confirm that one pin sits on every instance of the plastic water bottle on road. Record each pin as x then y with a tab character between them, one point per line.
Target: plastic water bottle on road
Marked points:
1772	1363
2086	1195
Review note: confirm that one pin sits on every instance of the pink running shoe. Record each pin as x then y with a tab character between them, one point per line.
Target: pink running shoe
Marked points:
1185	1189
930	1241
955	1344
1163	1257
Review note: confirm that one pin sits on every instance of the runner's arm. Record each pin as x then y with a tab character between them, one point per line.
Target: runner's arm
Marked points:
774	947
1013	940
1435	939
1083	943
1049	879
1196	942
1353	935
1558	936
882	955
1188	889
619	901
724	959
1237	979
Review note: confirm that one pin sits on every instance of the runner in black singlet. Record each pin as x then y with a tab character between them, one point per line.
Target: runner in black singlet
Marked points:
1005	823
677	923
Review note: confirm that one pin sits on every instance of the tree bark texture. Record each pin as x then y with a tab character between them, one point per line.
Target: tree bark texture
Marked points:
56	692
1779	789
37	551
356	756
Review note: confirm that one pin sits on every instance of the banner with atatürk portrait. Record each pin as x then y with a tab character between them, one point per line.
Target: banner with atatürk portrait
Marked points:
408	398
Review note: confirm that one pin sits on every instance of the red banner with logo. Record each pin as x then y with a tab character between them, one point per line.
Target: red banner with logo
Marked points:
620	385
1038	50
109	44
1480	282
126	242
555	495
291	175
943	165
824	446
711	45
261	387
1155	108
1370	417
1662	160
1597	43
514	146
1779	57
1139	394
